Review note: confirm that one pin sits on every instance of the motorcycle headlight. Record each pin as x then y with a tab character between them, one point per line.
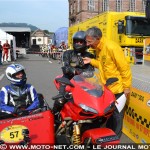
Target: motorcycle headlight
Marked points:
88	109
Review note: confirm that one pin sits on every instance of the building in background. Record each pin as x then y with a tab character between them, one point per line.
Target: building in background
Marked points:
39	37
81	10
61	35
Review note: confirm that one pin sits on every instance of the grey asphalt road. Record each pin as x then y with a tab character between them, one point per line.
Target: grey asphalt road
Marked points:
41	72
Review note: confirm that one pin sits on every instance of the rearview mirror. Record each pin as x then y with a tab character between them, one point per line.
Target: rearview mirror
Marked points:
120	26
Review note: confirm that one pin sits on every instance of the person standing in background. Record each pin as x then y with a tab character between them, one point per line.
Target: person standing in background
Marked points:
6	48
1	50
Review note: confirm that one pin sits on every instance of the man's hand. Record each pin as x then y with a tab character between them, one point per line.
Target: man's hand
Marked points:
127	92
17	110
20	112
86	60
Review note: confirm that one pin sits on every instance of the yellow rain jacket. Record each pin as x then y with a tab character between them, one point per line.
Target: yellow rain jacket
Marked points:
111	62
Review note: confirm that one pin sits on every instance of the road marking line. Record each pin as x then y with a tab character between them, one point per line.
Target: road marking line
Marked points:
1	76
50	62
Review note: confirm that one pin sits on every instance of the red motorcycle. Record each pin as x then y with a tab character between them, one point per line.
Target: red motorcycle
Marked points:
88	105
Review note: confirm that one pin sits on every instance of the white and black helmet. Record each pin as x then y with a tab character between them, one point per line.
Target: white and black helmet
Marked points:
11	72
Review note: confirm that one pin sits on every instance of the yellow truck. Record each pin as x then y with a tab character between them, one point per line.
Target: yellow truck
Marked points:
128	29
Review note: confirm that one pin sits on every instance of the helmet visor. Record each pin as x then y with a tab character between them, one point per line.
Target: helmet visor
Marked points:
19	75
78	41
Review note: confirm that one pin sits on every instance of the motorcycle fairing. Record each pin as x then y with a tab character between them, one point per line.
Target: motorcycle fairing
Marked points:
99	99
74	112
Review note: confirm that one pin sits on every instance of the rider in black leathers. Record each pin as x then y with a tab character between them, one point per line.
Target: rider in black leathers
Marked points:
73	63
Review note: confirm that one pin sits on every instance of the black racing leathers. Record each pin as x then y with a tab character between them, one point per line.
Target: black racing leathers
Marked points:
73	63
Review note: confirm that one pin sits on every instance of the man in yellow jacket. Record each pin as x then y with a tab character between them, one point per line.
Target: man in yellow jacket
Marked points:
111	62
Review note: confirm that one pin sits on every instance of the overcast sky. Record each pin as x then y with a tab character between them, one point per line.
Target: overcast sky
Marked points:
44	14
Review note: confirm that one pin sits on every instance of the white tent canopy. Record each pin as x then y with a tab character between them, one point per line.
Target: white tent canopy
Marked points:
5	36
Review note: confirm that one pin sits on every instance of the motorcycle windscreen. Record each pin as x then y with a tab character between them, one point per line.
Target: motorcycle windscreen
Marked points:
91	85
